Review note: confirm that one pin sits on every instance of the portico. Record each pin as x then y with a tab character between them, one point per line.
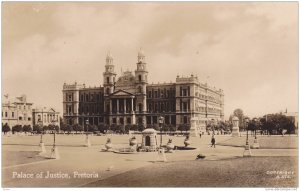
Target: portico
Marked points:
122	108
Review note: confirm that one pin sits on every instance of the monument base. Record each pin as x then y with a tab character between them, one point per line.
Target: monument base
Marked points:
247	152
235	132
87	142
161	157
42	149
255	144
54	153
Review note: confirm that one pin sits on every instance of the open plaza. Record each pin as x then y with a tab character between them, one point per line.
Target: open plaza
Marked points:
273	165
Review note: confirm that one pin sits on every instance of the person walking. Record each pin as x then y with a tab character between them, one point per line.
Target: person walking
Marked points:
213	141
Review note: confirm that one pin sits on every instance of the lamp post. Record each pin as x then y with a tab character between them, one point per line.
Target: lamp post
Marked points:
246	125
40	124
42	145
160	122
247	152
54	150
87	140
256	143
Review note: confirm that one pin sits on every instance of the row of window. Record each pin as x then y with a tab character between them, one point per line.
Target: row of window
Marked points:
91	108
48	118
161	107
91	97
164	93
6	115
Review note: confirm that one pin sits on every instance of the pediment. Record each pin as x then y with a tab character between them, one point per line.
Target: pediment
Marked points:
121	93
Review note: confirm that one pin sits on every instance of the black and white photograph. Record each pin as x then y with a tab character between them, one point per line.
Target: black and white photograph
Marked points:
171	94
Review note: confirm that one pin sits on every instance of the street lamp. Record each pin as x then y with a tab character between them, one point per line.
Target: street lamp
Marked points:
160	122
256	143
42	145
54	150
247	152
87	140
40	124
246	120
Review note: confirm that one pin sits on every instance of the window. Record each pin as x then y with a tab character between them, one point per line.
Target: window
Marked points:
70	97
128	120
140	78
5	114
20	118
107	79
13	114
121	120
24	107
184	92
114	120
29	119
107	90
140	89
185	120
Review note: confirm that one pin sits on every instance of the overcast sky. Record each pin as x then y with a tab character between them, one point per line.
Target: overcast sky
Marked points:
250	50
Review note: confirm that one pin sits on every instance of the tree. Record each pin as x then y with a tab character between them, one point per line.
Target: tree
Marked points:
141	127
181	127
240	114
77	128
127	128
5	128
27	128
37	128
16	128
69	128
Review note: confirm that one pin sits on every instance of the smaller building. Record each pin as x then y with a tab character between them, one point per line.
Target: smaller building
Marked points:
45	116
16	111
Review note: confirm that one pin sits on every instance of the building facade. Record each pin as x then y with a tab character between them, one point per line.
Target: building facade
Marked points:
130	99
45	116
18	111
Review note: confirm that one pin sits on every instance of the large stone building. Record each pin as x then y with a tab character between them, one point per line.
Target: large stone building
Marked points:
18	111
129	99
45	116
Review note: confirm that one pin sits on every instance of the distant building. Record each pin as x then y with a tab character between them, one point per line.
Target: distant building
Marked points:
45	116
16	111
293	116
131	100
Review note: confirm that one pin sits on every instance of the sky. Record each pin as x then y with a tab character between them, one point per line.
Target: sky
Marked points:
250	50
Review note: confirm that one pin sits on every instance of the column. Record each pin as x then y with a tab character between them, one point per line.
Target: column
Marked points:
125	105
132	105
110	106
117	105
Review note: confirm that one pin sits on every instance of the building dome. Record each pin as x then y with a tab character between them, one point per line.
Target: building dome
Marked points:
149	131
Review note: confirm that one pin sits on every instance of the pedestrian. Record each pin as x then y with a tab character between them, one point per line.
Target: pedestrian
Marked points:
213	142
200	135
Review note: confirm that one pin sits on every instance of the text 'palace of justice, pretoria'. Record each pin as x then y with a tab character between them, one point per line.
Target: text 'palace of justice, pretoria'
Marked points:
131	100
